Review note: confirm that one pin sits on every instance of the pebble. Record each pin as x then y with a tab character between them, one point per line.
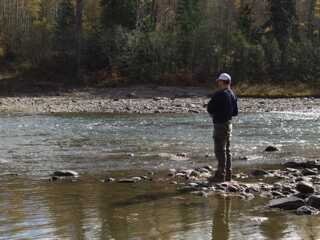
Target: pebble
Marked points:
110	179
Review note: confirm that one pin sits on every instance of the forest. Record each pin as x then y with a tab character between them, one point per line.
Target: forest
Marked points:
165	42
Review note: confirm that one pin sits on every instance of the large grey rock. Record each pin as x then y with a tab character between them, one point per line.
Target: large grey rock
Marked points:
65	173
288	203
271	149
293	165
130	180
307	210
314	201
305	187
308	164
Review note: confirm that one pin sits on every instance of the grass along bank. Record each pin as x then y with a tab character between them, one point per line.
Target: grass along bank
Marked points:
283	90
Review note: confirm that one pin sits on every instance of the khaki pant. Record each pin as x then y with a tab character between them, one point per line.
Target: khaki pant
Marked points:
222	137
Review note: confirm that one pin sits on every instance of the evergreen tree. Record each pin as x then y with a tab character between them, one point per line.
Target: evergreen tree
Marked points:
245	21
119	12
283	21
65	24
188	15
188	21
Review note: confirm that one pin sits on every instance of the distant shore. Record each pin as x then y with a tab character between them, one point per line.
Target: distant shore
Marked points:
145	100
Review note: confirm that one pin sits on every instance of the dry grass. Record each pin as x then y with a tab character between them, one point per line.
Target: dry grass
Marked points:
292	89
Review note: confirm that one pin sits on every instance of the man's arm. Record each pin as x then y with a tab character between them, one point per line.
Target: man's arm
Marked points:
211	106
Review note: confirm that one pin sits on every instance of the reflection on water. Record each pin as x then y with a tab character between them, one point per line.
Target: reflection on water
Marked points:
90	209
35	145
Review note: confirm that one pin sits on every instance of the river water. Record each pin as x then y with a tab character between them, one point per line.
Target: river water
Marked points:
97	145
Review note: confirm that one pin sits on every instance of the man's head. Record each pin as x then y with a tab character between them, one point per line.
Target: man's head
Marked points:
224	80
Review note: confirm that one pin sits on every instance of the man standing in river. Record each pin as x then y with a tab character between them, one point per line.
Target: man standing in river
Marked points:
222	107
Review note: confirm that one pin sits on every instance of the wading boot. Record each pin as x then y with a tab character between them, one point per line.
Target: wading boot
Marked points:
228	176
217	178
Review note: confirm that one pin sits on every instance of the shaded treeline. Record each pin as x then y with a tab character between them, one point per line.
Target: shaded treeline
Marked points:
162	41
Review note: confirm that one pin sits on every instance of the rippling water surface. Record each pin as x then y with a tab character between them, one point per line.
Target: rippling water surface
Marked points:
33	146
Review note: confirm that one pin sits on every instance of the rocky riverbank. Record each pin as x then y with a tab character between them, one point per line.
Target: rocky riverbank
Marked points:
143	100
293	186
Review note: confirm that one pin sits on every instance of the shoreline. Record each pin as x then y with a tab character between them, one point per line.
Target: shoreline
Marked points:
146	100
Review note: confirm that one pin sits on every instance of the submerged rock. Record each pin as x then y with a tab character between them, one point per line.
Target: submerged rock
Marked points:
288	203
307	210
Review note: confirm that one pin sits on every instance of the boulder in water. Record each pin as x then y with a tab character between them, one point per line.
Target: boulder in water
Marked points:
288	203
259	173
305	187
309	172
130	180
314	201
307	210
271	149
65	173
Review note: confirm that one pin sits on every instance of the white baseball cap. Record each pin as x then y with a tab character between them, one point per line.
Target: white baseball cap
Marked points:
224	77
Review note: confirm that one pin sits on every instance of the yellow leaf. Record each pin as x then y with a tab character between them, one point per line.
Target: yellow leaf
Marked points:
1	52
317	9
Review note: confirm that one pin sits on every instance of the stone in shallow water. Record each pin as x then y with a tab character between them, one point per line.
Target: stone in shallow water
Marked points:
208	167
278	194
307	210
232	188
314	201
110	179
184	155
308	164
309	172
192	184
130	180
288	203
271	149
305	187
195	173
259	173
292	165
65	173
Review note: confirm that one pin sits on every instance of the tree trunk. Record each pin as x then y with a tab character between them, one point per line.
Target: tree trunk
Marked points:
78	33
311	13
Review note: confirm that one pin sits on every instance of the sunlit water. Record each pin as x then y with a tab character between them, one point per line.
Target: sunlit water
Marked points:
33	146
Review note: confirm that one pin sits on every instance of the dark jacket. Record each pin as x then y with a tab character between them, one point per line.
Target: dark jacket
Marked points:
223	106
